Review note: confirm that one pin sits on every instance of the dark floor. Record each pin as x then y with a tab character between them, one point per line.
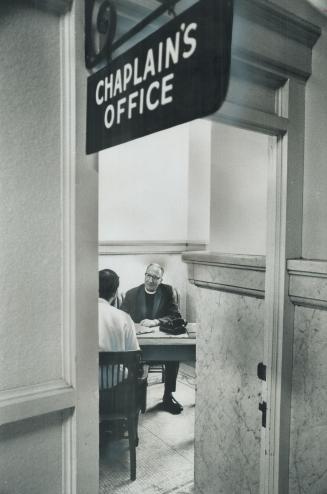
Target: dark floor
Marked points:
165	455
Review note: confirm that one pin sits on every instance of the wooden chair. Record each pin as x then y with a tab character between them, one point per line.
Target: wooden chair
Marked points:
122	395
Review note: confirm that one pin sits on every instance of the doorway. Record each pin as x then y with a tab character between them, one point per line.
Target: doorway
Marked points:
143	218
221	193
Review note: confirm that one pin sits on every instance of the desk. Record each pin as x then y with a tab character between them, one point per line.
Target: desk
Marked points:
159	346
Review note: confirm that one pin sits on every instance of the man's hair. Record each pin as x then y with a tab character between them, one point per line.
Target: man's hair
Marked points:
157	266
108	283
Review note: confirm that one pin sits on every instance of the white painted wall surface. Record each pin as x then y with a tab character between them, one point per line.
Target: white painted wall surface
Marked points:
238	190
143	188
315	169
155	188
199	181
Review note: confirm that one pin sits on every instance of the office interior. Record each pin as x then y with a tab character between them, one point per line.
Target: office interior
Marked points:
243	238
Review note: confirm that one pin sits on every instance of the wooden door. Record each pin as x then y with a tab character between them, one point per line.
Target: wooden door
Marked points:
48	256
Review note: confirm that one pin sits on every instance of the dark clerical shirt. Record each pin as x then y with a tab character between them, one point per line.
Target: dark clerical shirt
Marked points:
149	300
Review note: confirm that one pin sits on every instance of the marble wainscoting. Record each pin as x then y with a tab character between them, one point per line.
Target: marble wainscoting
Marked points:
226	296
308	449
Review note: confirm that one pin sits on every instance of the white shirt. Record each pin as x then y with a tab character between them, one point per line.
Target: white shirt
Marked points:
116	329
116	334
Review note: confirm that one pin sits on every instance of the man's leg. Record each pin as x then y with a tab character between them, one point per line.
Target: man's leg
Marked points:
169	402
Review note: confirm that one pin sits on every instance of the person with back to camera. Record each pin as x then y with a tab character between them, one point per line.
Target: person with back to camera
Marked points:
150	304
116	334
116	328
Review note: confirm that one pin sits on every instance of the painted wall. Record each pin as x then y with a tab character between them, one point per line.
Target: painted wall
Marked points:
143	188
155	189
199	181
238	190
315	175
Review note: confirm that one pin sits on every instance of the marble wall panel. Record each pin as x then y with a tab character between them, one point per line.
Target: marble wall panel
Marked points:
228	423
245	279
308	452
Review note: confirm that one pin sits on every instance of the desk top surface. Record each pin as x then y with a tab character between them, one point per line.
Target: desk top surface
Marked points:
157	337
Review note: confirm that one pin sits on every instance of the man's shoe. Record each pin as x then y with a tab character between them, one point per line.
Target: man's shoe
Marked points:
171	405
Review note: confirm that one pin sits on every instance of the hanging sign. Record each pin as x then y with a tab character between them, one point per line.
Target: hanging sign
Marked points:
178	73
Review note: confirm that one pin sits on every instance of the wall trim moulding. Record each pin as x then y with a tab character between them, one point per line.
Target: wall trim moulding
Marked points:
280	20
234	273
273	37
134	247
29	401
308	282
249	118
58	7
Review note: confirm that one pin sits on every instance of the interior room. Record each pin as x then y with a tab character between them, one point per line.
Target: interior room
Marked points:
233	206
170	182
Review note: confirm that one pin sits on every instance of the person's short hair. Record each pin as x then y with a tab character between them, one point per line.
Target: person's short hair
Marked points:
157	266
108	283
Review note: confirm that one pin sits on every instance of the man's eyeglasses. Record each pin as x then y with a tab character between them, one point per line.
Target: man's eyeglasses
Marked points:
152	276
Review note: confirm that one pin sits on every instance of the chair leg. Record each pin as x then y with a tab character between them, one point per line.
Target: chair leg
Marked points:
144	396
132	439
136	430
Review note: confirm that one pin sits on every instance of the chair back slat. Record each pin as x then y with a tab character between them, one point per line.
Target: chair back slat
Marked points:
118	373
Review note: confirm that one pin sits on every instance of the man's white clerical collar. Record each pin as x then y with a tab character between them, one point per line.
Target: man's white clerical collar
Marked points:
149	293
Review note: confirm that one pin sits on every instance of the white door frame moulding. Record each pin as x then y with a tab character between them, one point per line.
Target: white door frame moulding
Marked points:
80	260
68	174
284	240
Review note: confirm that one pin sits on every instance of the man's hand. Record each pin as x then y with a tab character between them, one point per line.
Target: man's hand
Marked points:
150	323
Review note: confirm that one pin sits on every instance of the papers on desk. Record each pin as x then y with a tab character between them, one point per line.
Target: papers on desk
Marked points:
143	330
155	332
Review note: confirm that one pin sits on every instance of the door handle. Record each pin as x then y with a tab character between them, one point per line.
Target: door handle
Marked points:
263	410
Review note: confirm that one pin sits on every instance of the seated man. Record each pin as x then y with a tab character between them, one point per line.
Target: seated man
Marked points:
116	328
116	334
150	304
